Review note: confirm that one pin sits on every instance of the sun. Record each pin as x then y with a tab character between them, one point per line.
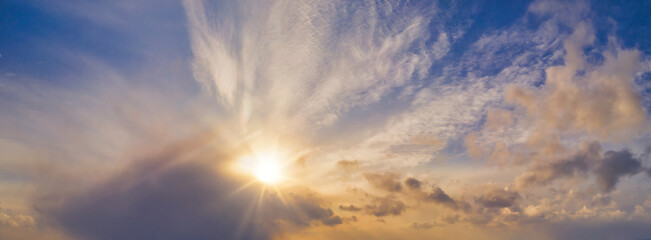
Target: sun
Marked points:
268	173
268	168
266	165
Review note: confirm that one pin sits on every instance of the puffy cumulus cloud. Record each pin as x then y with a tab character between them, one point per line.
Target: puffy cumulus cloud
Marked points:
8	219
545	172
394	203
413	183
332	221
418	192
608	168
490	207
301	208
385	206
498	198
614	166
388	181
580	98
437	195
578	101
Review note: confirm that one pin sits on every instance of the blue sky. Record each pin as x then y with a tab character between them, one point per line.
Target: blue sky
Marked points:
382	119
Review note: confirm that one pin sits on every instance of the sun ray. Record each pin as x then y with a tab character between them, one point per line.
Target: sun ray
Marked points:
247	216
245	186
280	195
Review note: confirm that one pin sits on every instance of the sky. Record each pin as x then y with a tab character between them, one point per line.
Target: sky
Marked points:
293	119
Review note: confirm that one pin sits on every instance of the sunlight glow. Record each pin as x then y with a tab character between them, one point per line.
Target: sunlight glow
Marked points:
268	172
268	168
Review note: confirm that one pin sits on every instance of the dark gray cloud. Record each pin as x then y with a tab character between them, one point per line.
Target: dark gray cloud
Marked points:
350	208
385	206
332	221
437	195
412	183
387	181
498	198
542	174
614	166
185	202
607	168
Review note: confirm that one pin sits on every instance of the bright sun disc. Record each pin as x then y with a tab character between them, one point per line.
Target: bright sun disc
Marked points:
268	173
267	169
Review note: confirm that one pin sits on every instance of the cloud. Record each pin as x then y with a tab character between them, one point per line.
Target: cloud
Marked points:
387	85
350	208
608	168
387	181
544	173
302	209
614	166
412	183
306	63
567	12
437	195
473	149
8	219
425	225
385	206
152	207
148	198
498	119
498	198
217	71
332	221
579	98
348	165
